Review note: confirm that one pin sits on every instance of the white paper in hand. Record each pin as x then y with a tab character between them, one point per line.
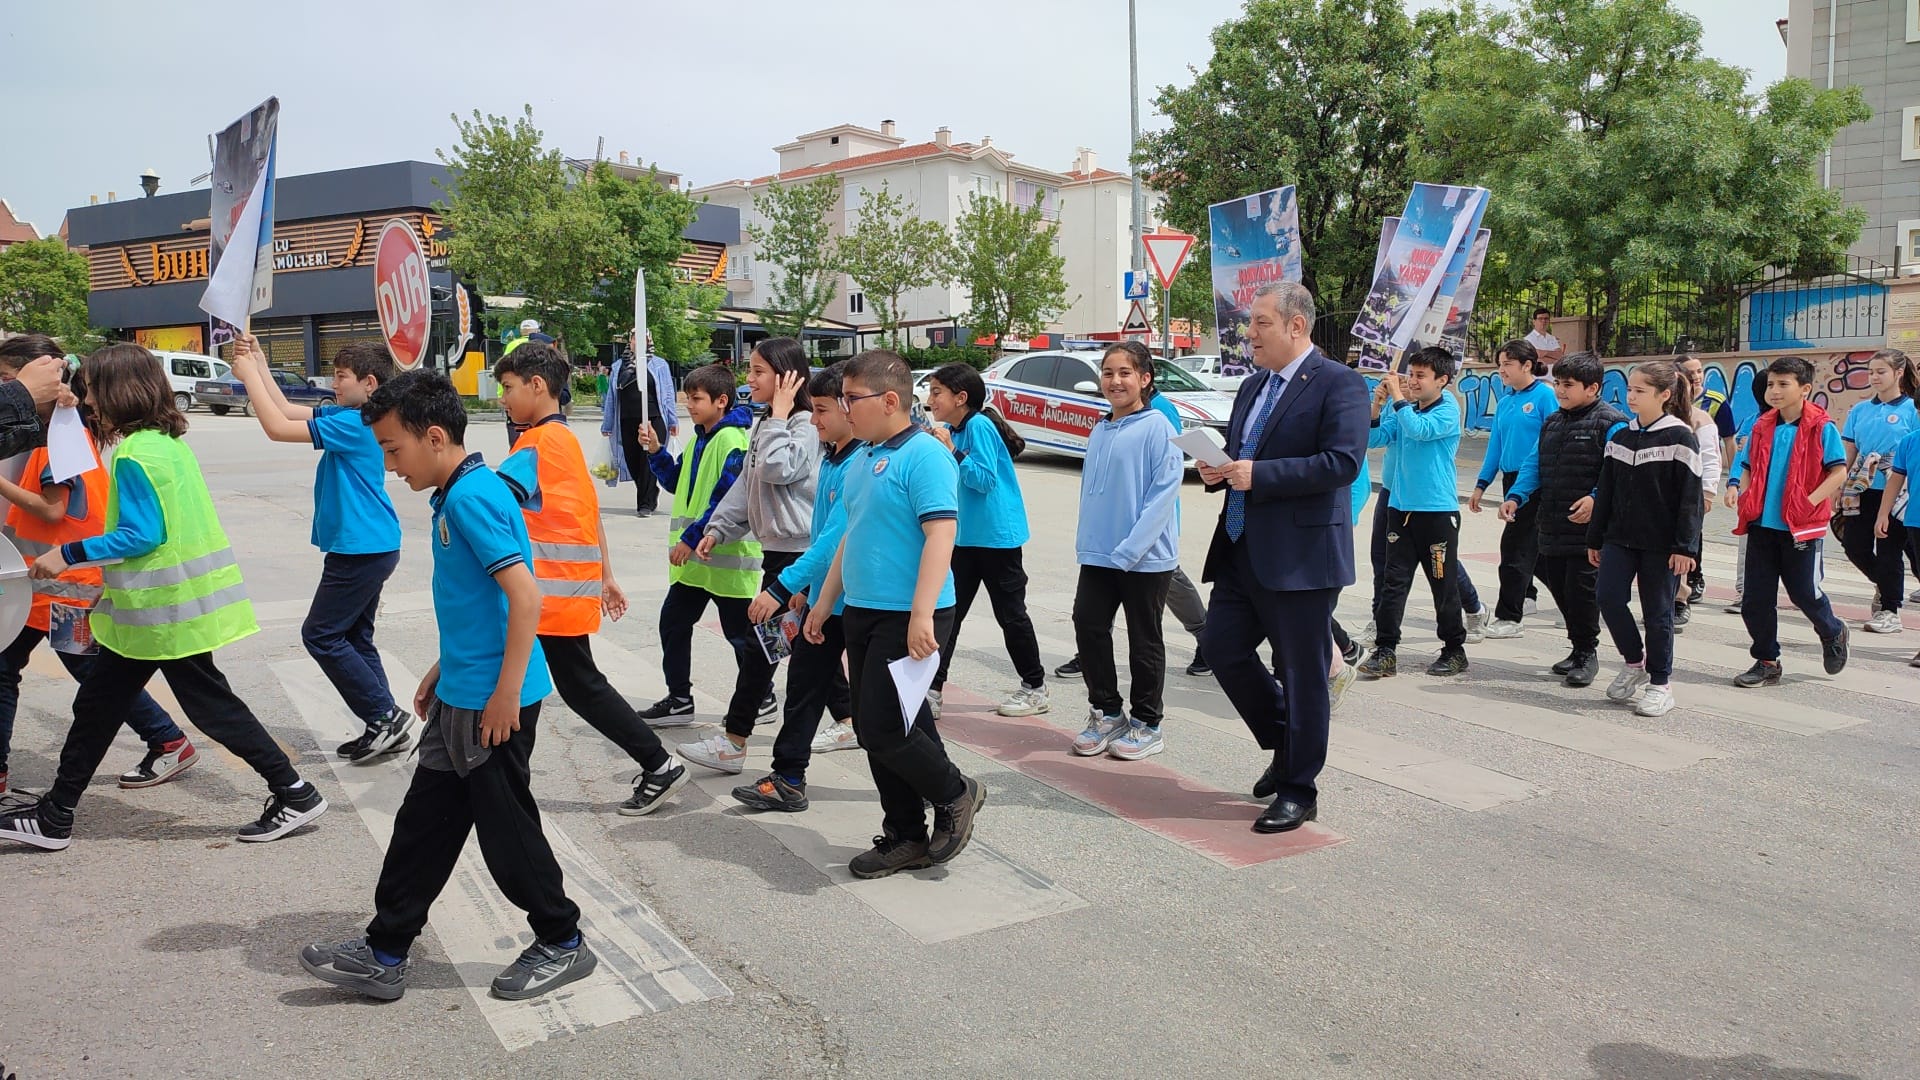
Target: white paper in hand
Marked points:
69	450
912	679
1203	446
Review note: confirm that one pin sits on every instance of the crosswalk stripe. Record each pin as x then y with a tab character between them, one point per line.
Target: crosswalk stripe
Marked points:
644	968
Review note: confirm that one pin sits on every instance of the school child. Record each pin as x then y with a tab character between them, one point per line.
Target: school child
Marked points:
727	578
1782	487
772	502
1128	544
1874	430
45	513
1646	527
1706	432
815	673
1423	530
902	499
1560	479
173	596
1905	463
1516	434
353	523
481	703
547	473
992	530
1743	430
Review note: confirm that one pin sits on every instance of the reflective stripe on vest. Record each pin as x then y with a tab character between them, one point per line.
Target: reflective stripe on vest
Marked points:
563	587
168	614
66	590
733	570
31	548
169	575
567	553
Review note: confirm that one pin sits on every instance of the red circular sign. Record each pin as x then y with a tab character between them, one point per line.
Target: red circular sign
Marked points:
400	293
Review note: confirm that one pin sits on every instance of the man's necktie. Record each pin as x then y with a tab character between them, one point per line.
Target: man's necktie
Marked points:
1249	445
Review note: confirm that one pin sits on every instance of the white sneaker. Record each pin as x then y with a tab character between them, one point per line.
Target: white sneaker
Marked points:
716	752
1530	607
1627	683
1885	622
1654	701
1505	628
835	736
1341	683
1026	701
1477	625
1367	635
934	701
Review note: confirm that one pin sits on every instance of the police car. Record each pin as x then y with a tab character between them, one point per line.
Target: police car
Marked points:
1053	398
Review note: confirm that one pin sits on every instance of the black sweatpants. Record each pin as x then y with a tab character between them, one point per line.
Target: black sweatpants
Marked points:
440	809
1573	581
1421	541
107	695
815	681
908	765
1002	573
1102	592
1879	559
1620	568
754	676
647	486
588	693
1519	556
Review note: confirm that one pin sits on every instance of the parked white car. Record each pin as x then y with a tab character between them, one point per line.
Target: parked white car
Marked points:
1207	368
1053	398
186	370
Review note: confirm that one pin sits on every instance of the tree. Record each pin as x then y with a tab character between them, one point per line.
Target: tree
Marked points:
1004	255
892	251
682	325
649	222
1315	93
797	238
43	290
1618	154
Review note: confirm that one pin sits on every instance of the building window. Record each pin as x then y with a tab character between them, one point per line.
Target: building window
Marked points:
1906	236
1910	134
1913	20
856	303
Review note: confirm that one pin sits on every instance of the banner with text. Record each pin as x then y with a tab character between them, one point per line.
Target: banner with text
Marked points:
241	214
1255	241
1415	261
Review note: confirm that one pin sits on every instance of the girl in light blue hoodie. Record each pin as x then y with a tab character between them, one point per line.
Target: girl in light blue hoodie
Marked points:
1128	544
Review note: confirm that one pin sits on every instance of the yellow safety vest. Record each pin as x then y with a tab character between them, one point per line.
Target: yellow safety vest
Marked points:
733	569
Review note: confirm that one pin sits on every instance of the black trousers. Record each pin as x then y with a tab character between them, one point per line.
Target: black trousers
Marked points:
1421	541
1102	592
1879	560
1573	581
1519	557
1775	558
648	488
679	612
908	764
588	693
816	682
440	809
1003	574
107	695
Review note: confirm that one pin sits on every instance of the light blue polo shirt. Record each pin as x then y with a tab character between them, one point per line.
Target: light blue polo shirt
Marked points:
1876	427
1906	462
1831	454
351	512
894	488
478	531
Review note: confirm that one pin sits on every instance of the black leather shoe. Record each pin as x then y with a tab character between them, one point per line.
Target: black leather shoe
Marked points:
1285	815
1266	786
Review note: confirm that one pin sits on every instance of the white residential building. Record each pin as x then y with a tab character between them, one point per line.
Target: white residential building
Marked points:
1090	204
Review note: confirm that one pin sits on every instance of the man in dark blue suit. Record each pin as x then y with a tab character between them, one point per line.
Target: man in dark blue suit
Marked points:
1284	546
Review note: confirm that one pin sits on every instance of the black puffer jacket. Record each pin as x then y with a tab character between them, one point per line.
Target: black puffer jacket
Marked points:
1573	444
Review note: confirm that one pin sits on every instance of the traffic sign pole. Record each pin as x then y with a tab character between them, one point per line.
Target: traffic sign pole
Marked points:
1166	321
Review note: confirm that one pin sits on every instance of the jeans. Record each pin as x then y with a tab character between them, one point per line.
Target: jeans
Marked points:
1775	558
1005	578
1426	541
1102	592
1880	560
147	719
908	764
678	613
1574	584
1377	549
338	632
439	810
586	691
1620	567
115	682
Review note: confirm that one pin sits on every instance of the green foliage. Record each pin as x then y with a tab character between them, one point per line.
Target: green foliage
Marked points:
1005	255
649	221
798	239
1316	93
1619	154
892	251
678	336
43	290
932	356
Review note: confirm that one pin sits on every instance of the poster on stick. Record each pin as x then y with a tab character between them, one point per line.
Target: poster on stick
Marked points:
1434	227
241	219
1255	241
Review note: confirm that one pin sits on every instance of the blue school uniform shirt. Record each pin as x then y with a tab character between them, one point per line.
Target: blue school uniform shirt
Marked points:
478	531
1424	441
351	512
1516	430
1876	427
993	514
893	488
809	572
1906	462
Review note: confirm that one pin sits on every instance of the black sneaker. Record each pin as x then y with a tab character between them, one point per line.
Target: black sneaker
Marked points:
1762	673
652	789
1585	669
1696	586
1449	662
1198	669
388	735
286	811
669	711
890	856
769	710
352	964
953	822
543	967
1563	667
1383	664
1069	670
1833	652
1682	615
42	825
772	792
1351	654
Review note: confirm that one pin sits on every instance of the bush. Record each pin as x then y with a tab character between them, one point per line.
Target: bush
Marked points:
933	356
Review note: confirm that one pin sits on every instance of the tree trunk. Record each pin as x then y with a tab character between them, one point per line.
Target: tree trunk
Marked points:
1609	318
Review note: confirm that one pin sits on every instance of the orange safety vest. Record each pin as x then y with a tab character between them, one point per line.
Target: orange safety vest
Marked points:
564	528
77	588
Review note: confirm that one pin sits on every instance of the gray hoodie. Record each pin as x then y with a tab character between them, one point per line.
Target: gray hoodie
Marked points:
773	499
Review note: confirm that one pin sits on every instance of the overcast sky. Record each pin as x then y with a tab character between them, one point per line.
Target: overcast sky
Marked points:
705	89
